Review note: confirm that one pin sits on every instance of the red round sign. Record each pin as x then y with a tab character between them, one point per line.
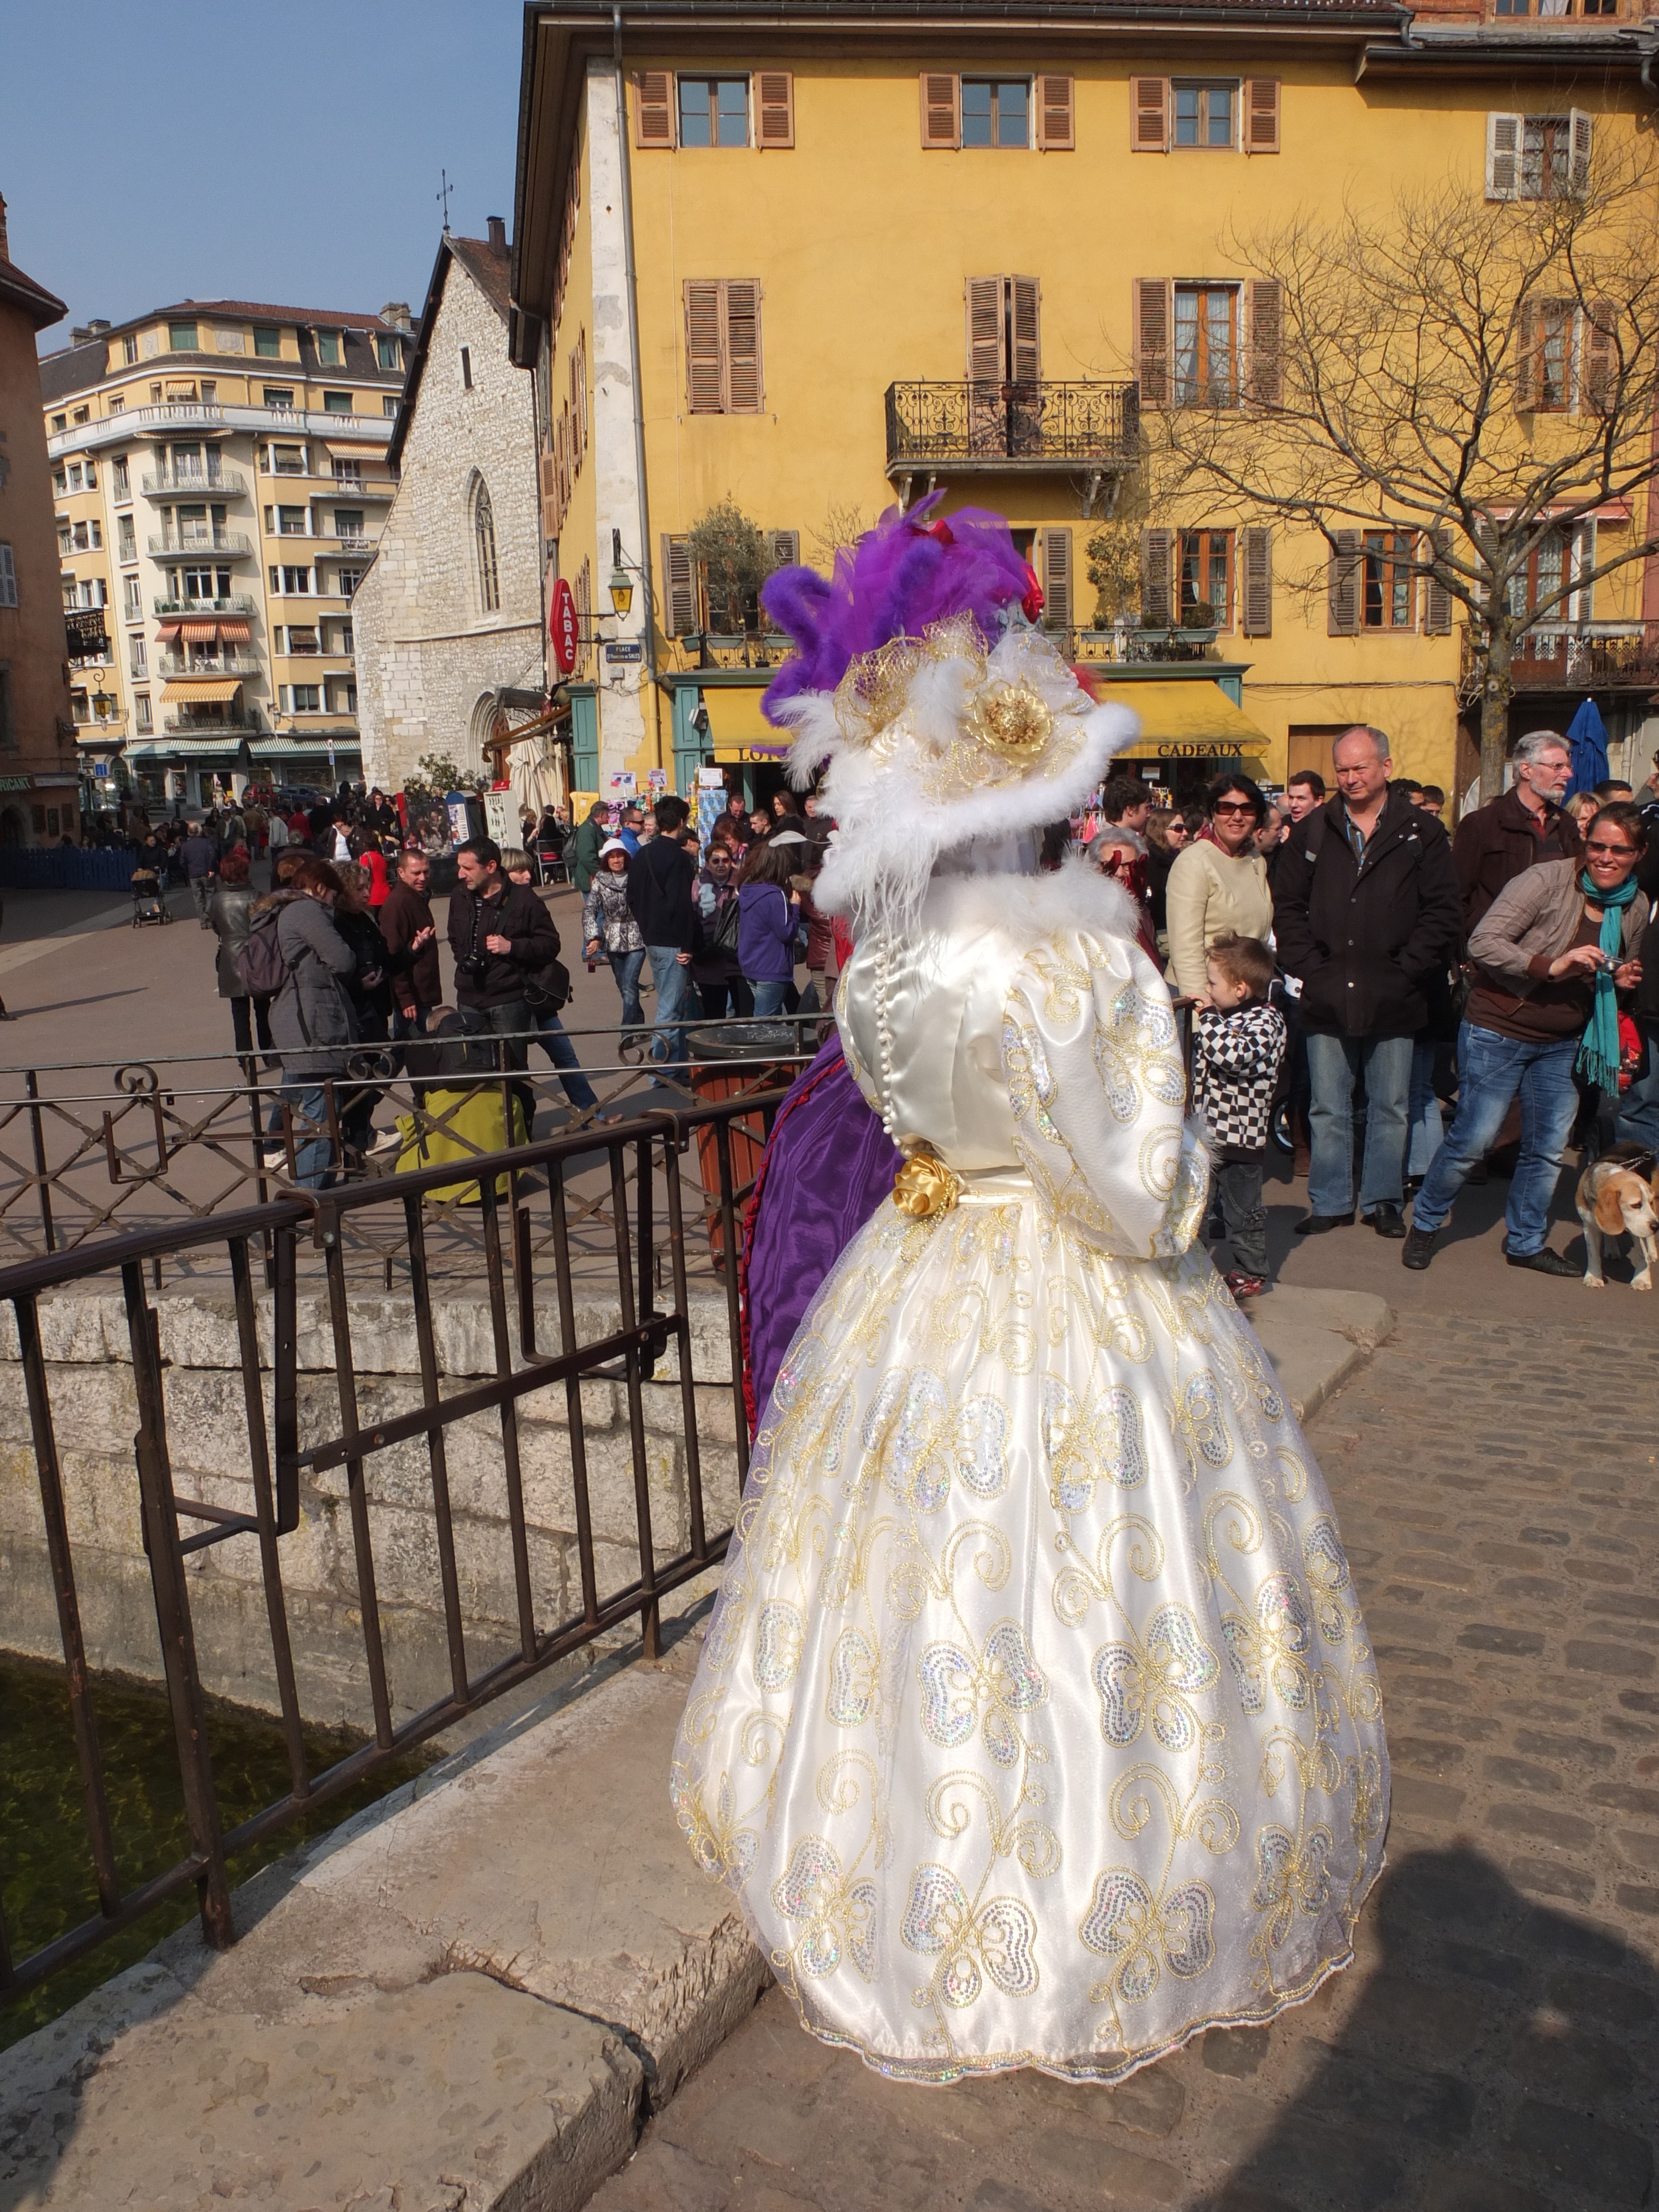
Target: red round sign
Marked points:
561	627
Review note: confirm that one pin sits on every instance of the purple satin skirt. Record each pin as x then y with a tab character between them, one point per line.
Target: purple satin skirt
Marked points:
829	1165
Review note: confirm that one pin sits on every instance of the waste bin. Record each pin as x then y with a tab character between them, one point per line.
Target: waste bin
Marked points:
736	1057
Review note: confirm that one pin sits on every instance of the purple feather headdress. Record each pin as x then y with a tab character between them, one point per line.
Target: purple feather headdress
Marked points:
907	573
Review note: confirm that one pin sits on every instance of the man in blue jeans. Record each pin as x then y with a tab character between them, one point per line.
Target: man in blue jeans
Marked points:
660	879
1365	911
1541	958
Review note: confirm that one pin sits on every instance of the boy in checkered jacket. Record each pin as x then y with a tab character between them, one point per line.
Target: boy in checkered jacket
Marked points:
1238	1041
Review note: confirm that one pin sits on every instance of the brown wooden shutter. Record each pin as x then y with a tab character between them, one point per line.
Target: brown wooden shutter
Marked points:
1601	355
941	108
985	328
1256	564
551	515
1343	611
1525	367
1265	383
1503	156
1055	555
704	385
679	585
785	546
1157	564
1149	112
1025	349
743	347
1154	312
1436	599
1056	130
774	108
653	108
1261	115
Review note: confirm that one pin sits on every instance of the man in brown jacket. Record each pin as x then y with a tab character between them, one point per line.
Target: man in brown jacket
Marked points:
1507	835
411	944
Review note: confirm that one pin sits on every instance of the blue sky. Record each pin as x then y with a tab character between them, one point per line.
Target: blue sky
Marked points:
156	150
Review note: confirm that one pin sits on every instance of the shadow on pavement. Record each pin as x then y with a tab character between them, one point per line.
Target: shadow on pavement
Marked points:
1502	2058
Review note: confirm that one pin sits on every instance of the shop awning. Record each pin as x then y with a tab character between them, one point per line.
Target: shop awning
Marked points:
195	689
737	726
1184	720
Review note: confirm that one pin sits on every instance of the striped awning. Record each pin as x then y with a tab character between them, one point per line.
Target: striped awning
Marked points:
198	688
235	630
198	633
167	633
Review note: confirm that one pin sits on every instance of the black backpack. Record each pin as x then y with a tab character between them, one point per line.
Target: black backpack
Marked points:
259	960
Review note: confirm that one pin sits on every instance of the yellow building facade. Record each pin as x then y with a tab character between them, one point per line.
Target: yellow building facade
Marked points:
220	477
812	273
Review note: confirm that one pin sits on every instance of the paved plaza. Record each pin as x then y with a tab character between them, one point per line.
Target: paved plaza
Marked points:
1494	2049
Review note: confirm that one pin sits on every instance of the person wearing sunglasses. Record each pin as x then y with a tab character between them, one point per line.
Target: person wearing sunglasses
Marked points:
1217	883
1551	956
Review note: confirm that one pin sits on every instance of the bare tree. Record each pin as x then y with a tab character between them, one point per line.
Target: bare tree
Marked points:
1473	377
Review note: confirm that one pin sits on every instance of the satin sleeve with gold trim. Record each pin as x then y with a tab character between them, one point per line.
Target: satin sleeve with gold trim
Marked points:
1091	1056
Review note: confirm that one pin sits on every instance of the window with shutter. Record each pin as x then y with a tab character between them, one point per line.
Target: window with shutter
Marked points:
1056	130
1149	112
1156	560
1581	136
8	576
1436	599
1024	348
1526	364
704	383
785	546
774	108
1267	373
1261	115
653	108
679	585
1256	560
1153	313
1503	157
743	347
1342	618
1056	553
985	329
941	109
1601	364
552	510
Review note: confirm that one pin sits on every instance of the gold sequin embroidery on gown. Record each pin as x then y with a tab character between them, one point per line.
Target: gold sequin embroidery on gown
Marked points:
1036	1723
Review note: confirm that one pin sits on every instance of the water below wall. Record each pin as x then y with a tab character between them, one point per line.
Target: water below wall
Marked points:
47	1881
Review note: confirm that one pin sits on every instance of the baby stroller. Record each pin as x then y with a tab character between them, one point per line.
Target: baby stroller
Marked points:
148	904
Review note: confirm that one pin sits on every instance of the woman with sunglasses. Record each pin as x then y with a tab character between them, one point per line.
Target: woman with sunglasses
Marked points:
1217	883
1551	955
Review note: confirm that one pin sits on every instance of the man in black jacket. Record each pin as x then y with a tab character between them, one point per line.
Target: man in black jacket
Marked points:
660	875
500	933
1365	912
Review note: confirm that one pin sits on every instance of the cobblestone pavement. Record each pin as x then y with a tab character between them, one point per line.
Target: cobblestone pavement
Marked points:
1496	2047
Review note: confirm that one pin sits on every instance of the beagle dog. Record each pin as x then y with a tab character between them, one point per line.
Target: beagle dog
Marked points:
1616	1198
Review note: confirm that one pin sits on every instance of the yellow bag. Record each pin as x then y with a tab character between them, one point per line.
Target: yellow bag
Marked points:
469	1121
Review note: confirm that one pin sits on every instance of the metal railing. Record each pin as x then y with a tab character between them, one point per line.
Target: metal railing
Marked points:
1025	425
201	541
652	1317
228	664
231	603
171	483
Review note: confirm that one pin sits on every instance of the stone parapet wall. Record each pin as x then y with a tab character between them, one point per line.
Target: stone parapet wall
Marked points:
95	1409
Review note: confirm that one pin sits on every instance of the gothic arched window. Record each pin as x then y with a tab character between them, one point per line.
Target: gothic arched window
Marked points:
484	531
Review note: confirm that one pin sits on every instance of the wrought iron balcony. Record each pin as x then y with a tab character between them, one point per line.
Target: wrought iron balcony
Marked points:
1023	429
195	483
177	542
234	603
1588	657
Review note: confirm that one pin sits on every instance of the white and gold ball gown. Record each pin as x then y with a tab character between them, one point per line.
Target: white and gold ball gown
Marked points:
1036	1723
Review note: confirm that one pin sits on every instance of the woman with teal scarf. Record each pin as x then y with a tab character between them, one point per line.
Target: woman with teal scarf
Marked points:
1550	955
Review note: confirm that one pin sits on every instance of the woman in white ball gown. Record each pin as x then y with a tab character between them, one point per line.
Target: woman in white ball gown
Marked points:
1036	1723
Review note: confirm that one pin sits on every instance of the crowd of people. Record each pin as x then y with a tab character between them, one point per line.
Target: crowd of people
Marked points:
1343	952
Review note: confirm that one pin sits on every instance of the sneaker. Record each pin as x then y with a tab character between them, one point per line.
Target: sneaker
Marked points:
1243	1286
1418	1248
389	1140
1542	1262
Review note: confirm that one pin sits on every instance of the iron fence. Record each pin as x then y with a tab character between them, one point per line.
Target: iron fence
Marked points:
1080	424
645	1324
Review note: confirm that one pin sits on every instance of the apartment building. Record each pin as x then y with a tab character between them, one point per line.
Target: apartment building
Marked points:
818	265
38	775
220	474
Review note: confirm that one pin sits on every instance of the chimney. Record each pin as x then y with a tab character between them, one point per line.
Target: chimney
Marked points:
497	233
80	334
98	325
5	249
395	311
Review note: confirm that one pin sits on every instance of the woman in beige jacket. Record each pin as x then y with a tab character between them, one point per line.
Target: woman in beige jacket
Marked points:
1219	882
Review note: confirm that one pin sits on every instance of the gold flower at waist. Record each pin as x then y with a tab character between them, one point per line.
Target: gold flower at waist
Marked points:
924	1186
